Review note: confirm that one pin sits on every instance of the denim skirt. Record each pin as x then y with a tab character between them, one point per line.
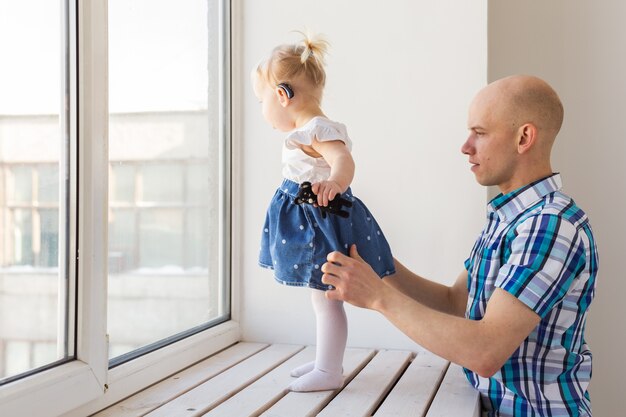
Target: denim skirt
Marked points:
296	238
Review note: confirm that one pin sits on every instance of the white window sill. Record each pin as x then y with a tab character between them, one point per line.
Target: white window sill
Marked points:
72	390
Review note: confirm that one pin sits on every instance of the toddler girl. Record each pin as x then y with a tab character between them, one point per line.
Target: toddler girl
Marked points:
300	232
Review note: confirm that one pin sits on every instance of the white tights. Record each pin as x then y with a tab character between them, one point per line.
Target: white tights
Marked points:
326	371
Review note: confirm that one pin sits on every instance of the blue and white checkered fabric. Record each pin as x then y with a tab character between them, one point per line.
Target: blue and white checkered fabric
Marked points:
538	246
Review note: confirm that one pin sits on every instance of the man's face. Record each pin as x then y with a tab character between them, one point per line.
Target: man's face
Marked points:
491	145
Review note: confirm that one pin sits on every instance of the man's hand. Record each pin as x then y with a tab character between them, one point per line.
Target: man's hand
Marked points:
354	280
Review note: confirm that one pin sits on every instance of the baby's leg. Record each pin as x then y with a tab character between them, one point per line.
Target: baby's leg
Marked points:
318	303
332	333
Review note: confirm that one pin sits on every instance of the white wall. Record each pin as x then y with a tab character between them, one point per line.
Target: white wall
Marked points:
578	47
420	64
400	75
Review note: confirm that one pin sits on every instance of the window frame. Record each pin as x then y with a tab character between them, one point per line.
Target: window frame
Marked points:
87	384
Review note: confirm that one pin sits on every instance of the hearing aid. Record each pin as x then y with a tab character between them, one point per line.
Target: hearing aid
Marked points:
287	89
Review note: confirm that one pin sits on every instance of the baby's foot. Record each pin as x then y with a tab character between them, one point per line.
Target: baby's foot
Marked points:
303	369
317	380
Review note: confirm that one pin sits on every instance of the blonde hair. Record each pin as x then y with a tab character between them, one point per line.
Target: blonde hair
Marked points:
301	63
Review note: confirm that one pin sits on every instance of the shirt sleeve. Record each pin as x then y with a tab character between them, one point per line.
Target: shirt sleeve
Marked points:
546	255
322	131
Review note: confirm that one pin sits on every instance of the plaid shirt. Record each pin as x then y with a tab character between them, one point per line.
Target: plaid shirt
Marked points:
538	246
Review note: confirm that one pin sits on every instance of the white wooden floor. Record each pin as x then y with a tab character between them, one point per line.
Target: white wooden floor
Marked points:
250	379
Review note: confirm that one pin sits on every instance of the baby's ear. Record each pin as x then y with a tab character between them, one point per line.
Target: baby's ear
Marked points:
283	98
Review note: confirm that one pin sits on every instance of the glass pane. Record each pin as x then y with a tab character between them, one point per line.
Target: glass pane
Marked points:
49	239
122	245
17	356
21	188
160	240
162	183
197	239
198	184
122	184
48	184
33	318
164	226
22	237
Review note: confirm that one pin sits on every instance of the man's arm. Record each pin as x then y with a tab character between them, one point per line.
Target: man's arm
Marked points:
451	300
480	345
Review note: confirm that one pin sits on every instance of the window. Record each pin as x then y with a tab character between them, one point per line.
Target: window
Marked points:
114	197
164	173
36	323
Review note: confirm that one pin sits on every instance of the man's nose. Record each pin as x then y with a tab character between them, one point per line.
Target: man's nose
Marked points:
467	148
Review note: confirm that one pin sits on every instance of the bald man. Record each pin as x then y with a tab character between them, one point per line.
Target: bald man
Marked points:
515	317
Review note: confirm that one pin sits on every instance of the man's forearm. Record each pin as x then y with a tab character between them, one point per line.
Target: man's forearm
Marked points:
481	345
431	294
449	336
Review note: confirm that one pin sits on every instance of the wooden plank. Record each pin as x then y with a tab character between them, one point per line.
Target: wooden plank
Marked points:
412	395
265	392
149	399
301	404
223	386
363	394
455	397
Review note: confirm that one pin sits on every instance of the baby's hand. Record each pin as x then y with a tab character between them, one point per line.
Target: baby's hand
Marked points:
335	205
326	191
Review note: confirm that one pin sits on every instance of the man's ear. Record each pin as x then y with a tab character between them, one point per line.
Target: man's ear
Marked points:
526	137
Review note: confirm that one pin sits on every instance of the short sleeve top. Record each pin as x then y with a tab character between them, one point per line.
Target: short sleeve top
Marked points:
300	167
538	246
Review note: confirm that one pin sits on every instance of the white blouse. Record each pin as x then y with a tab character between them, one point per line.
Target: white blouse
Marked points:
300	167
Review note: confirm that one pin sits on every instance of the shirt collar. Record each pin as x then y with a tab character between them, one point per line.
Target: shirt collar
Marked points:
508	206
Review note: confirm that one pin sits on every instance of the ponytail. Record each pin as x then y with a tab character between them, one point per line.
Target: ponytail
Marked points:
298	63
314	46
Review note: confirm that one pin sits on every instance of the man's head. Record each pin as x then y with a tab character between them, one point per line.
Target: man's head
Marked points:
513	123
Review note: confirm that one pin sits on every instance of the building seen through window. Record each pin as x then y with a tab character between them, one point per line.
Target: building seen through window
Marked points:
164	241
33	311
